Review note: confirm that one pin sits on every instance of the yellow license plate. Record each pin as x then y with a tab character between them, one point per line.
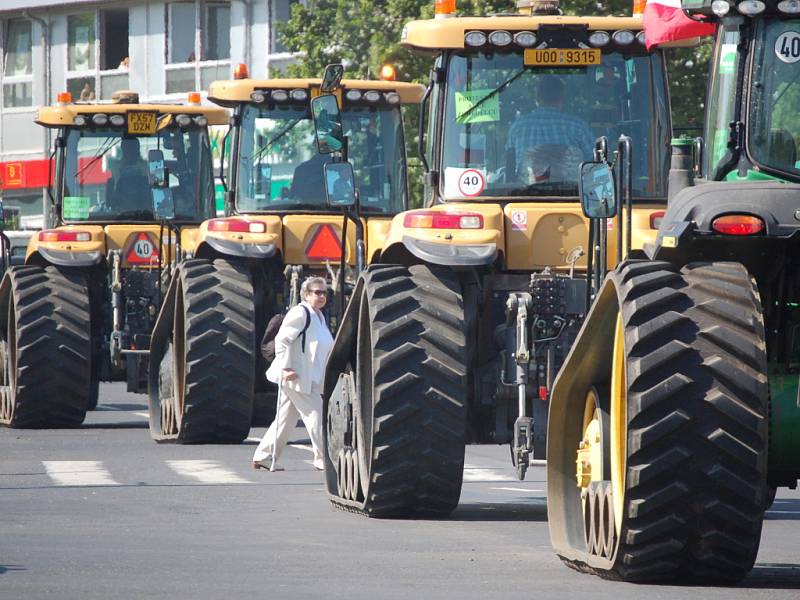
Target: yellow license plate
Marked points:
142	123
562	57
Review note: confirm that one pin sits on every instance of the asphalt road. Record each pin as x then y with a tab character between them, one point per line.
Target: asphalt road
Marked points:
104	512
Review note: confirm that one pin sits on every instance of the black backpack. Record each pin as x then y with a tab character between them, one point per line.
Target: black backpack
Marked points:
274	324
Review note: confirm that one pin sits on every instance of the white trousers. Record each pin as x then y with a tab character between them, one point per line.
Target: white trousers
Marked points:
293	405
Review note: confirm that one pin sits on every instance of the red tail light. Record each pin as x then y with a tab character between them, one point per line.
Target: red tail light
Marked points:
429	219
656	218
738	225
59	235
237	226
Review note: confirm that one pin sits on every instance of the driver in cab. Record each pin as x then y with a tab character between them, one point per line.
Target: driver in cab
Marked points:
548	143
128	189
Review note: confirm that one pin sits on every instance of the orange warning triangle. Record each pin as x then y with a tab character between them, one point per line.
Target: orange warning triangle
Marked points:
325	245
143	250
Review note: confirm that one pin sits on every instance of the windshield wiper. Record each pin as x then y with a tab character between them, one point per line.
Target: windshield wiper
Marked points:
269	144
107	145
494	92
558	189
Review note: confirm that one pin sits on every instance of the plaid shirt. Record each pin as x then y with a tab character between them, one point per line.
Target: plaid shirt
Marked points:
549	126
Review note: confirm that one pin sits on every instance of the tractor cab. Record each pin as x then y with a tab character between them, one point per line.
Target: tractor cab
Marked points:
275	177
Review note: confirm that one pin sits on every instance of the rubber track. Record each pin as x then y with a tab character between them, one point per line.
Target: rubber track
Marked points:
53	346
218	325
697	438
420	390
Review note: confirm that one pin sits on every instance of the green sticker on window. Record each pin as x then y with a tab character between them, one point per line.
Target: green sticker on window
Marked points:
76	208
727	59
477	107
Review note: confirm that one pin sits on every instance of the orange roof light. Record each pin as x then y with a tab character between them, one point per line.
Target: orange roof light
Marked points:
388	72
64	98
444	8
240	71
638	7
194	98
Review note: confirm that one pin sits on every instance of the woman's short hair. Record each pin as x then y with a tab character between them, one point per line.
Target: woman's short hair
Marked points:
308	282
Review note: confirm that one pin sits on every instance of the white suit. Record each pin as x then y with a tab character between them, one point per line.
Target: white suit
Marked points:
302	397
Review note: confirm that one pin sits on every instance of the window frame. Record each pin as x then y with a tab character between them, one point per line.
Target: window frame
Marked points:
12	79
201	36
96	73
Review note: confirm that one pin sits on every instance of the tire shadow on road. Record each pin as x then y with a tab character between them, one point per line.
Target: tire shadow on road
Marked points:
784	509
532	511
6	568
116	425
773	576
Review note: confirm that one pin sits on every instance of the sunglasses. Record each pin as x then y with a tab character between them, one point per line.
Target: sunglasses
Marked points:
319	292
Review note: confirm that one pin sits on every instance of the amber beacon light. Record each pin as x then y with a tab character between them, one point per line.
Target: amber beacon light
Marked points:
240	71
444	8
388	72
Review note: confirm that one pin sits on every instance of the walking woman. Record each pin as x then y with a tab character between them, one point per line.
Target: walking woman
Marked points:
302	346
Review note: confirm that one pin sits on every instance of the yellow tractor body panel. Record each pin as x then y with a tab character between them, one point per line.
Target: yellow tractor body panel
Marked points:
64	115
490	235
105	238
235	91
309	239
270	236
433	35
97	243
375	235
643	233
540	235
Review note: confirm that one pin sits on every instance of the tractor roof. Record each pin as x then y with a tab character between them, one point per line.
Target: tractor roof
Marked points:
63	115
234	91
441	34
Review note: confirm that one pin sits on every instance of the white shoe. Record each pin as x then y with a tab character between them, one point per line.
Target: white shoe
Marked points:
319	465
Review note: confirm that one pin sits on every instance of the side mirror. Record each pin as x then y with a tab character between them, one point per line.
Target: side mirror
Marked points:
596	189
332	78
327	124
163	204
340	188
158	175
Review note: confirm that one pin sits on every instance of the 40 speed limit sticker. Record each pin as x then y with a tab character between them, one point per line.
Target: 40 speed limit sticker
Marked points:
471	182
787	47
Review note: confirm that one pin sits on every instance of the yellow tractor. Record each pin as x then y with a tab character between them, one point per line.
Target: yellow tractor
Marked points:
131	183
676	415
455	334
210	384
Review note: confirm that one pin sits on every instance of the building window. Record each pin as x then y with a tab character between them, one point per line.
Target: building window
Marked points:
218	32
114	34
84	47
198	44
281	11
18	64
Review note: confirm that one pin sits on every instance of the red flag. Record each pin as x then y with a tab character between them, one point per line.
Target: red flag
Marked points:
664	21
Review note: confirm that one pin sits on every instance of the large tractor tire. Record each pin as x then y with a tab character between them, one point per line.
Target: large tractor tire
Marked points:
205	377
395	430
46	348
671	457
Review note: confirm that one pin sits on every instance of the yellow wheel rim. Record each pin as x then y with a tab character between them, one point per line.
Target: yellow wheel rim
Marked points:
619	423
